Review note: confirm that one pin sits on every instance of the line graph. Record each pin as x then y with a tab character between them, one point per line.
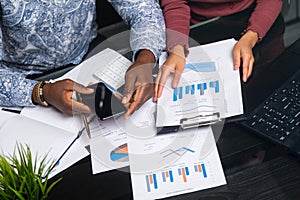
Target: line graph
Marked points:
179	152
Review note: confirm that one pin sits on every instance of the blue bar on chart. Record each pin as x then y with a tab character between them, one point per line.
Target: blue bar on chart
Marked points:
215	85
184	172
151	182
202	87
177	93
200	168
190	89
167	176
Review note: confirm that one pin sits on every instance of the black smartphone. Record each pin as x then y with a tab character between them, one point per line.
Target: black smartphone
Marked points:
103	101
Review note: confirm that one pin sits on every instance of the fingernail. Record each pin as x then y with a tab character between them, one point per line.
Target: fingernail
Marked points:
159	94
124	100
154	99
125	116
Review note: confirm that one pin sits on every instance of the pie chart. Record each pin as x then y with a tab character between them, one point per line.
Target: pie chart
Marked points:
120	154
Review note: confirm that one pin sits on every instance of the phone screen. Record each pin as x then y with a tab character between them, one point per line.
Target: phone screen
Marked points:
103	102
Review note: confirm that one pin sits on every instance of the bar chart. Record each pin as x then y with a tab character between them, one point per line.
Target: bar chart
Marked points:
200	168
167	176
176	175
176	168
183	172
151	182
195	89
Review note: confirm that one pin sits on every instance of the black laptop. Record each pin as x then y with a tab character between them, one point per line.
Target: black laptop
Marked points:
277	117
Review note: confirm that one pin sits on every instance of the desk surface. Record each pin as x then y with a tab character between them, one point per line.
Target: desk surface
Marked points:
254	168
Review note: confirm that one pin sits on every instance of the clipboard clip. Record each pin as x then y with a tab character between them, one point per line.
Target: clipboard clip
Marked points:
200	120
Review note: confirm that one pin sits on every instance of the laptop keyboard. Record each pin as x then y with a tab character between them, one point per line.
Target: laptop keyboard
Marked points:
278	117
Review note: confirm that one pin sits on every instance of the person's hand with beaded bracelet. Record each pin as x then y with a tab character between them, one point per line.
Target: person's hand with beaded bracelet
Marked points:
60	95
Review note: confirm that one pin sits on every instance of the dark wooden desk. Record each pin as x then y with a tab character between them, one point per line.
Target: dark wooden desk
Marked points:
254	168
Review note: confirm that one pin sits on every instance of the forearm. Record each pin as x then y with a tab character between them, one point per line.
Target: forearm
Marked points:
147	27
177	18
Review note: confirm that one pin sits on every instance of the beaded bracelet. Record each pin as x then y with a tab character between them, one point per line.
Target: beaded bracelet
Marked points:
39	93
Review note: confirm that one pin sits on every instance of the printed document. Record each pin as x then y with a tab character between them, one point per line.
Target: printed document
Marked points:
109	148
209	88
173	164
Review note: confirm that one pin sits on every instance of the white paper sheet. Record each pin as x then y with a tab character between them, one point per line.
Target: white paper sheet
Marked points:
5	115
108	66
173	164
73	155
207	89
108	146
114	72
109	138
221	52
52	117
42	139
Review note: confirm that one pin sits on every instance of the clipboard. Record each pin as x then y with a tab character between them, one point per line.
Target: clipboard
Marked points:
192	122
229	79
198	121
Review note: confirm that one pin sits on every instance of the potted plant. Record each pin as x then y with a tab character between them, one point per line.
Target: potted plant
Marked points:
24	177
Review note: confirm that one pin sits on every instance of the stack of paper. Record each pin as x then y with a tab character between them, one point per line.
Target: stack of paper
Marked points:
49	132
161	165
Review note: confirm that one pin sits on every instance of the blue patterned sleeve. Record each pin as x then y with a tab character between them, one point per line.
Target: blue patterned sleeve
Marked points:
147	25
1	45
15	89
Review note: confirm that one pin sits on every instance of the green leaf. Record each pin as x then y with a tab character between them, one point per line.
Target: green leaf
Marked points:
18	194
52	185
21	175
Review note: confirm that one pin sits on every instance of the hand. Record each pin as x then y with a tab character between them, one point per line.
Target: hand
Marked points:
138	82
173	65
242	53
59	95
